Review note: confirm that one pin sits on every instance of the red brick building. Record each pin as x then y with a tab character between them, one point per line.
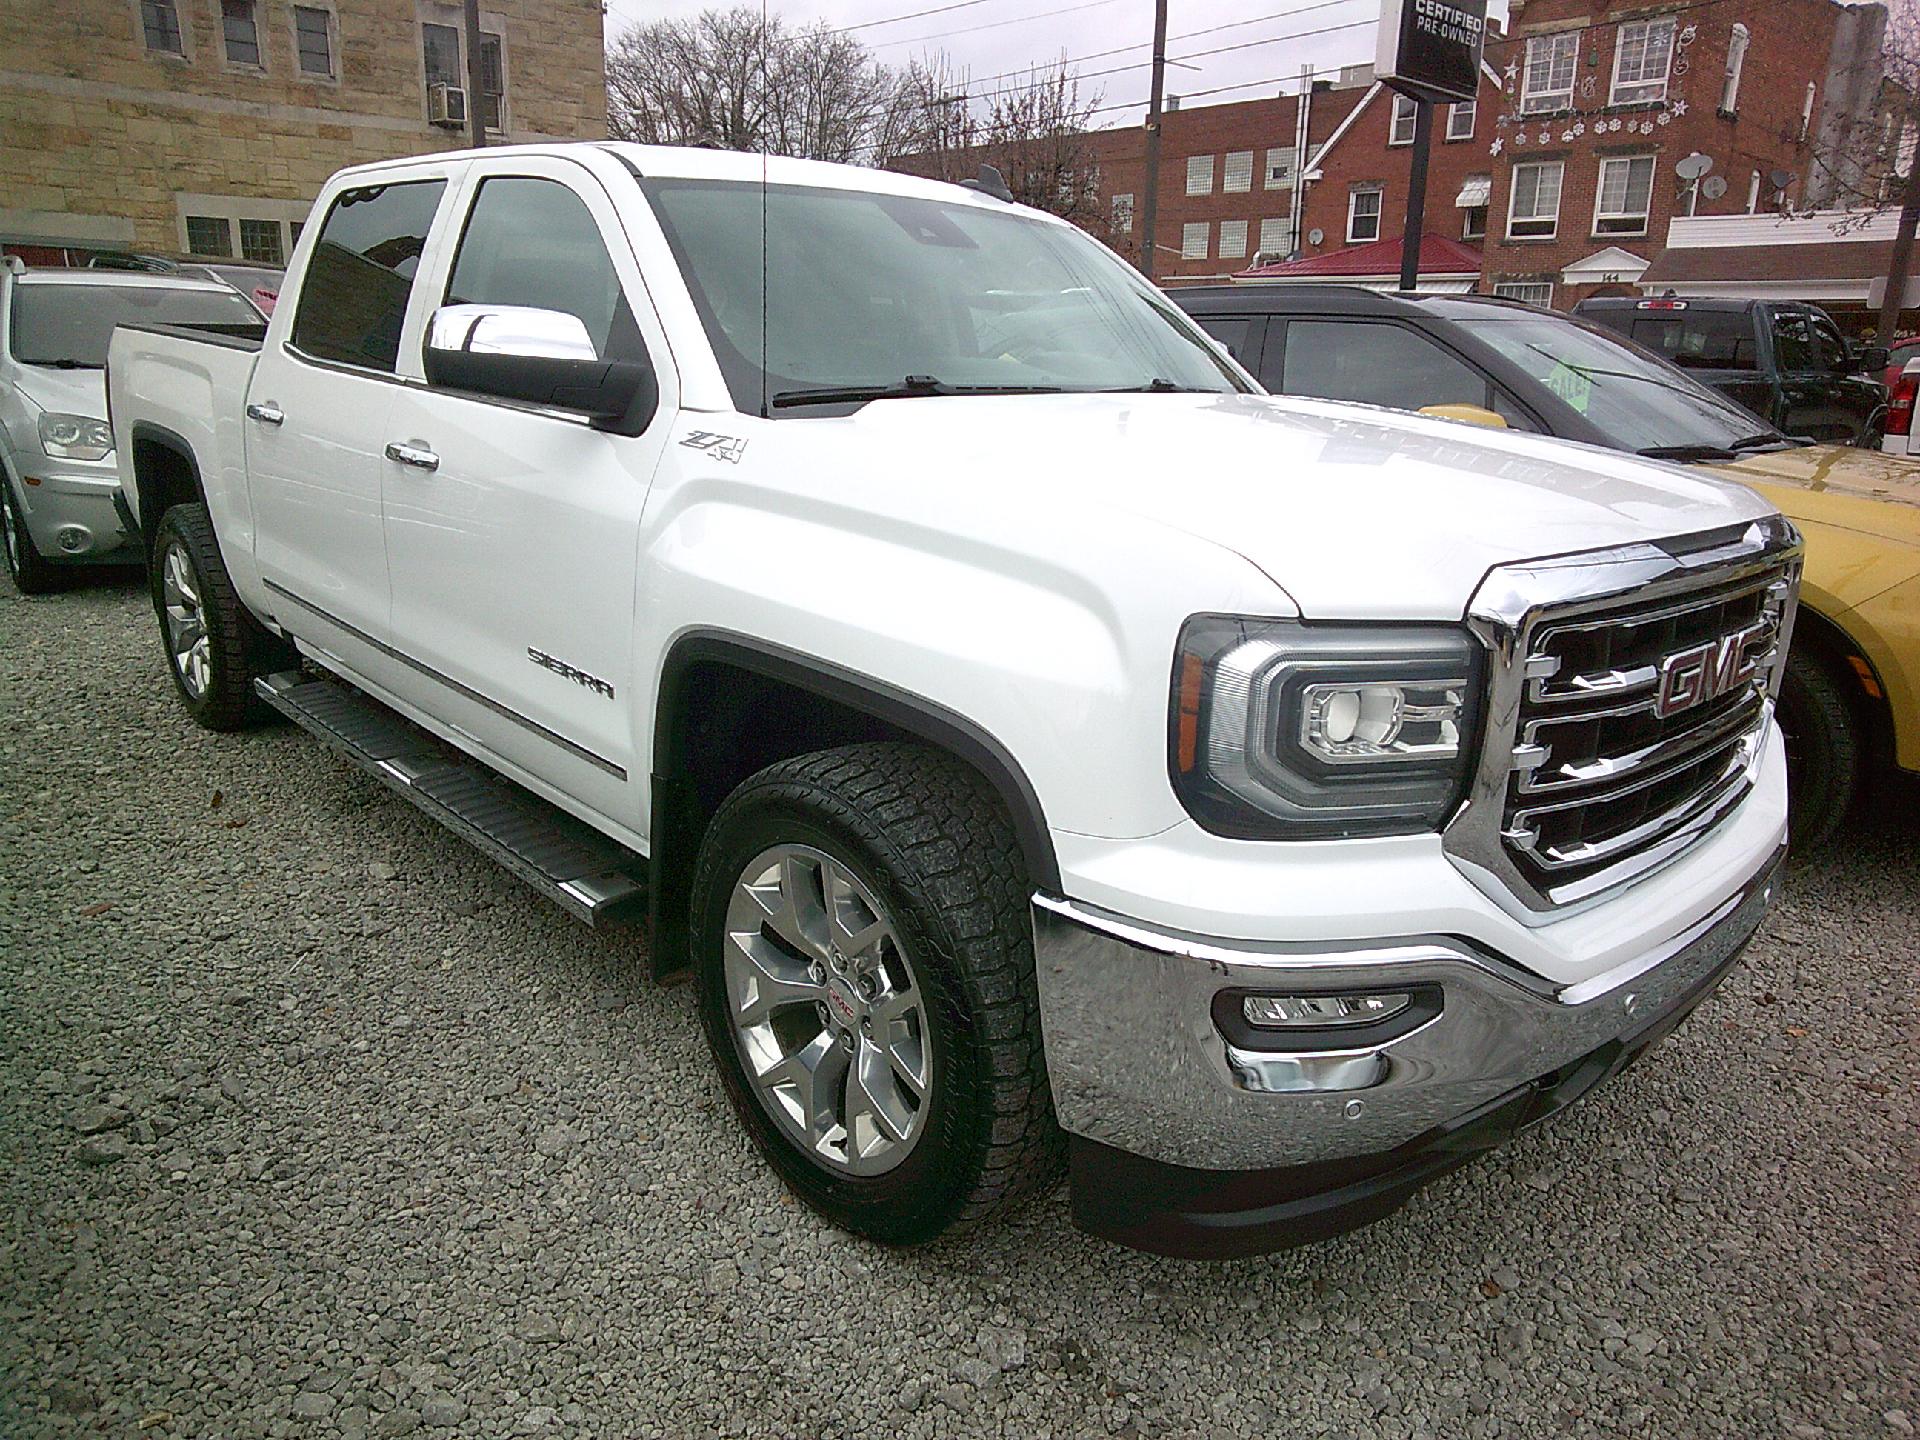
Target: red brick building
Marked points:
1562	173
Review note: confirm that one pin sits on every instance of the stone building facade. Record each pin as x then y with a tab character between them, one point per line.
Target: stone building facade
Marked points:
1562	173
206	127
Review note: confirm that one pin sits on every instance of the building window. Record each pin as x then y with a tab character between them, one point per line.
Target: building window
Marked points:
1640	61
210	235
240	32
1736	61
260	242
1405	116
447	66
313	40
1474	224
1276	238
1548	82
160	22
1460	118
1280	167
1534	292
1200	174
1363	216
1238	178
1533	208
1626	191
1193	240
1233	239
1123	214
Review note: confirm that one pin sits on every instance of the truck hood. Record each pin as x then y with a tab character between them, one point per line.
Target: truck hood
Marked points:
1356	512
65	392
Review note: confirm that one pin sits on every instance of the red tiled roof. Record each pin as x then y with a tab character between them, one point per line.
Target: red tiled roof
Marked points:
1438	256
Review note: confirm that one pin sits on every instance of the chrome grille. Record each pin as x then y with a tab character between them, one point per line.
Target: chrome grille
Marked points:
1630	697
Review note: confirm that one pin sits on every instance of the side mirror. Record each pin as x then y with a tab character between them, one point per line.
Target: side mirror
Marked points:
1469	414
1873	359
538	357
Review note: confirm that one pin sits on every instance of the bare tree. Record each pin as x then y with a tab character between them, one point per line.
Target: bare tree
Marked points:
1864	160
740	81
1033	129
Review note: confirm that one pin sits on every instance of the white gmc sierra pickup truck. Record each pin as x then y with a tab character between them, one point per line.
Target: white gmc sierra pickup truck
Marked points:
1034	740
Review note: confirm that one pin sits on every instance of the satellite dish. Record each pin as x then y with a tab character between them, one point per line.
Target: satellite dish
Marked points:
1780	179
1693	166
1714	186
1315	236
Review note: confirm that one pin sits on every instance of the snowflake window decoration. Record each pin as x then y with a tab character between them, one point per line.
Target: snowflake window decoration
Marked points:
1497	146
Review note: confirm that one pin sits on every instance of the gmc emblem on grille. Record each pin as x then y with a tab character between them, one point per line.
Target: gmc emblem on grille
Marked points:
1706	672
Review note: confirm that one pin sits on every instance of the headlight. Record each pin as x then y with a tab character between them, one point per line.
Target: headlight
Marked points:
75	437
1282	730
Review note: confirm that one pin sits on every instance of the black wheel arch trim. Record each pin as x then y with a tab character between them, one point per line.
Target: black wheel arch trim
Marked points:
173	440
675	809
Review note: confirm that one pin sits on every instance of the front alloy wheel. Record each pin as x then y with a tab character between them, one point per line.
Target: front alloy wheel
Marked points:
827	1011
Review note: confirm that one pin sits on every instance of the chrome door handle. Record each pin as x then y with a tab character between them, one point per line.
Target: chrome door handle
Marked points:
418	456
267	414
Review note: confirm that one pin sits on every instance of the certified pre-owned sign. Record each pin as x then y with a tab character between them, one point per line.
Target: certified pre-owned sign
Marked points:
1431	48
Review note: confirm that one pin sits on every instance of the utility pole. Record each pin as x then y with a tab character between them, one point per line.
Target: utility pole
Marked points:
476	122
1416	195
1150	207
1901	268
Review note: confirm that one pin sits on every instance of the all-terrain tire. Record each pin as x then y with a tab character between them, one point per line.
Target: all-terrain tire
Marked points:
217	685
925	836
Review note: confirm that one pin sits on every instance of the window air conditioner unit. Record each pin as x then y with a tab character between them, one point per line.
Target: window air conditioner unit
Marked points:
447	105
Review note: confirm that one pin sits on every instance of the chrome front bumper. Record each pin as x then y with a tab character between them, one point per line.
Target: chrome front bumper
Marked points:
1139	1062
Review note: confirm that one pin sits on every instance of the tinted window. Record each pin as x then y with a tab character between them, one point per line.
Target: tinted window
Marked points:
354	297
71	324
533	242
1377	364
1699	339
1232	331
1829	350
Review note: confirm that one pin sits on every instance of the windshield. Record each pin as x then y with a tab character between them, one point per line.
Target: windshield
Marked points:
1636	401
867	291
1699	339
71	324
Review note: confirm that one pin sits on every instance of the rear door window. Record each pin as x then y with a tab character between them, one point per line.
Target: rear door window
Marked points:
353	299
1699	339
1375	363
1793	345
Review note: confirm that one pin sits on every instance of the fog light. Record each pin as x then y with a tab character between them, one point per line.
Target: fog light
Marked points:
1284	1012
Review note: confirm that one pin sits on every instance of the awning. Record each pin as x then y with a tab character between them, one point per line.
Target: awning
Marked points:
1477	191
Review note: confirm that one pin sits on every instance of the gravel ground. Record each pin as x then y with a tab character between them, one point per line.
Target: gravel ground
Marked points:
314	1124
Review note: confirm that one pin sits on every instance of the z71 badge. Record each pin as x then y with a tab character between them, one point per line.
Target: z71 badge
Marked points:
579	677
722	447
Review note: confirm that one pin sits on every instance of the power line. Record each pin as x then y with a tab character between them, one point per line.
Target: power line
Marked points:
1118	49
998	24
911	15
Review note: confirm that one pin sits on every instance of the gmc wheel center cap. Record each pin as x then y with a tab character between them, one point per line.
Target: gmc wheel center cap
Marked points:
845	1003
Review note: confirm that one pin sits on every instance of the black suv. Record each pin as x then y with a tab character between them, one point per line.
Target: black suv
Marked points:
1787	363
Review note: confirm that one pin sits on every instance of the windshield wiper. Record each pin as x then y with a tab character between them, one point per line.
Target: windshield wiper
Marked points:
65	364
1156	386
1688	452
911	387
1771	440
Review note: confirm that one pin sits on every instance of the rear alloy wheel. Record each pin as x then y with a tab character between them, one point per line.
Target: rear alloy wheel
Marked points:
214	647
32	572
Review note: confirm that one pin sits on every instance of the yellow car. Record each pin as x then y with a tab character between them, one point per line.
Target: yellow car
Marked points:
1851	701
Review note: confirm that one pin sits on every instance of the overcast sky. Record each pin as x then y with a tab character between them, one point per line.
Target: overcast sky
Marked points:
989	37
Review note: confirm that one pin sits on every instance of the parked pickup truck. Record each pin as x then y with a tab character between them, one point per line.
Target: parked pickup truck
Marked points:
1031	738
1786	362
